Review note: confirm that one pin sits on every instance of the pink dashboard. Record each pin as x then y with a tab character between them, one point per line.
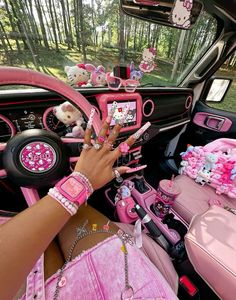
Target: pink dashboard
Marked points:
22	111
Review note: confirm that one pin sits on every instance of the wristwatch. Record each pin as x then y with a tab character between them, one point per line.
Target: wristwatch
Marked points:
73	189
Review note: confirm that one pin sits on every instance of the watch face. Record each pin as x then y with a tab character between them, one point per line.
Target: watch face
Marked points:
72	187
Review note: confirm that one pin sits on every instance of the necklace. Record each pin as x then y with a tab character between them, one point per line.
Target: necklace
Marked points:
82	232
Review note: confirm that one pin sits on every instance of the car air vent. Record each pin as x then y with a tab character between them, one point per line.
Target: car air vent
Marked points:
188	102
148	107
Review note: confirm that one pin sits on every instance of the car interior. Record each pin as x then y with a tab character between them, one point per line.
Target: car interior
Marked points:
193	243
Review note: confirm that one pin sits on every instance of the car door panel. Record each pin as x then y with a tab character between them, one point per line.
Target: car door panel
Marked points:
207	124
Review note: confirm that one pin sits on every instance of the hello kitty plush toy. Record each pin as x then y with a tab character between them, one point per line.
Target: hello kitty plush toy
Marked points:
181	13
70	115
147	64
78	75
98	75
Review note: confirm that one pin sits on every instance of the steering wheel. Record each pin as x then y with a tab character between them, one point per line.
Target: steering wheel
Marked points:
39	144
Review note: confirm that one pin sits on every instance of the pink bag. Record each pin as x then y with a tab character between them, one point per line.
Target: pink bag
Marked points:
213	164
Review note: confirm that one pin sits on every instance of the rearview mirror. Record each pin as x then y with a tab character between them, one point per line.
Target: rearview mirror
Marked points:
175	13
218	89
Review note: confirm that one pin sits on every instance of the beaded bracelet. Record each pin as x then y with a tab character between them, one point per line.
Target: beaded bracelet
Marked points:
85	181
69	206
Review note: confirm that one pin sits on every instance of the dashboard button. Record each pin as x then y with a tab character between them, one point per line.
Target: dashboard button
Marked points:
146	136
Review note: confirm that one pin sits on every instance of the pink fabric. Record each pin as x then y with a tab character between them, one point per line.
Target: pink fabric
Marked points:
211	247
98	273
157	256
194	198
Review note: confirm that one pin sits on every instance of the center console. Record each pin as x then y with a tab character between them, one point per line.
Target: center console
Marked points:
171	226
142	193
132	123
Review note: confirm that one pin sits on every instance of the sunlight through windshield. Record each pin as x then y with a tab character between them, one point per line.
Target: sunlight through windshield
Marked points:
50	35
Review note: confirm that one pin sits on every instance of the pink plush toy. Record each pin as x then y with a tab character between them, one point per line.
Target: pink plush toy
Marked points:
98	75
70	115
213	164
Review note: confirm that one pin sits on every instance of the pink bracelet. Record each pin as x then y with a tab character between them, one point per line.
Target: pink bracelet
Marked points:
69	206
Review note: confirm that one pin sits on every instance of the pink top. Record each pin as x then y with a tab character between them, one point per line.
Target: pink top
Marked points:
99	273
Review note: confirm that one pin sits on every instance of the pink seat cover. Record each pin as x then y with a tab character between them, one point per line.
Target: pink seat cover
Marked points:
211	247
194	198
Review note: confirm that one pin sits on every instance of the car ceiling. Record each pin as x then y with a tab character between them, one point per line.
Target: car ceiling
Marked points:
227	7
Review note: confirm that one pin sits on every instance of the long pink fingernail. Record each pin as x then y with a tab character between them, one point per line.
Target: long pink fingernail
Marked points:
111	112
91	116
137	134
132	170
113	109
121	121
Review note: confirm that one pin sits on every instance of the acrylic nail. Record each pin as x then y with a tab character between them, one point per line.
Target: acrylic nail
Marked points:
111	112
121	121
91	116
113	109
137	134
132	170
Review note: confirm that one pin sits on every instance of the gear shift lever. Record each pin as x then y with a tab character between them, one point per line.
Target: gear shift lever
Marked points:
139	182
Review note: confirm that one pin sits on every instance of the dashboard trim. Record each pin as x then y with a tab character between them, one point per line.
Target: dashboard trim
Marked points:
162	129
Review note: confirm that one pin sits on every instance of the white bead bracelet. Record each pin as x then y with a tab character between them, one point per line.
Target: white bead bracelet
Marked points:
69	206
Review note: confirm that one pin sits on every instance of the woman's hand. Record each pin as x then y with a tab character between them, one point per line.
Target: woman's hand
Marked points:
96	164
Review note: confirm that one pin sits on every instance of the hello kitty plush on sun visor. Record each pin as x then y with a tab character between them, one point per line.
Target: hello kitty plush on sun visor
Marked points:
181	13
70	115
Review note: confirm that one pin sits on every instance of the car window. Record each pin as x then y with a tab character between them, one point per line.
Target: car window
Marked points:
50	35
227	70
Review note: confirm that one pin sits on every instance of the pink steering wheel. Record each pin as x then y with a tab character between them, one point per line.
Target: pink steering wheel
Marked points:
36	146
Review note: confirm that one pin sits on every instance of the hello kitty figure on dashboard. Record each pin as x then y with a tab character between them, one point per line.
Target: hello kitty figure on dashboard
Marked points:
147	64
70	115
181	13
78	75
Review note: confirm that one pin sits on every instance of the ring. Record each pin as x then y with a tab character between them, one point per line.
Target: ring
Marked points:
109	145
86	146
117	175
124	148
97	146
101	139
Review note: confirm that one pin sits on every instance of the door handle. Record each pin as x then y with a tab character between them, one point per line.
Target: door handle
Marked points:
214	122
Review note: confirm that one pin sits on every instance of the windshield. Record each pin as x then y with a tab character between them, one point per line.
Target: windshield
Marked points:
51	35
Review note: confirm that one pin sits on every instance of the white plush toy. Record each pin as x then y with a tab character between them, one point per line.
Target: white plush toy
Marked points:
70	115
79	74
181	13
